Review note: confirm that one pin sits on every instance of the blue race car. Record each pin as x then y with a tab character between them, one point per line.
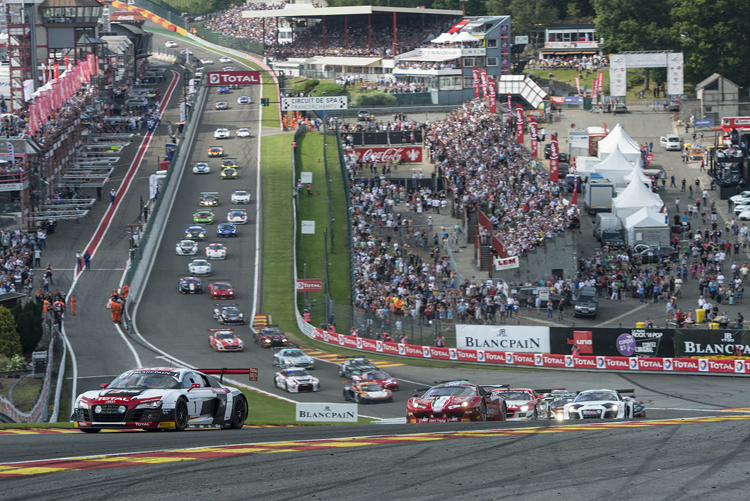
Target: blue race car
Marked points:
222	90
243	100
226	230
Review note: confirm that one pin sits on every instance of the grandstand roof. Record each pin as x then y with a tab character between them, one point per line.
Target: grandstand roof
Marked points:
344	61
341	11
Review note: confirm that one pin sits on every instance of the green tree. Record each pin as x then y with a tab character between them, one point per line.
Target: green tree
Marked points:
10	343
28	319
634	25
524	15
709	31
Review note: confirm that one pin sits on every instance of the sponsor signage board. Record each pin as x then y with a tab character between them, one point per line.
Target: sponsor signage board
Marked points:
704	122
233	77
330	413
308	227
309	285
614	342
253	374
709	343
383	155
522	339
314	103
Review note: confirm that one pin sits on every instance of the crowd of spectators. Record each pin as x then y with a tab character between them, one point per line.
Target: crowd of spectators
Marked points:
20	253
574	62
350	42
429	65
488	171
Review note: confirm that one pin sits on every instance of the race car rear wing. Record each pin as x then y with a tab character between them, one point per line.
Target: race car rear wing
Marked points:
223	371
630	391
215	330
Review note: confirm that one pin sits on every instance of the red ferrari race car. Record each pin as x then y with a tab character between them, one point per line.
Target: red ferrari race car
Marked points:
271	338
523	404
225	340
456	401
380	377
221	290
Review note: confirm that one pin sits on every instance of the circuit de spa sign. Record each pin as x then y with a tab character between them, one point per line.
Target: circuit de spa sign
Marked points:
234	78
383	155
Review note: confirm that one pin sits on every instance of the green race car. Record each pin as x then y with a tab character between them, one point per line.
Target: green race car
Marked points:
203	216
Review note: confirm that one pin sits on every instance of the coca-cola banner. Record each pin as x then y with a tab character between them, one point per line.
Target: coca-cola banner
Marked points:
510	104
476	81
595	89
554	159
382	155
492	94
600	82
534	138
519	123
483	76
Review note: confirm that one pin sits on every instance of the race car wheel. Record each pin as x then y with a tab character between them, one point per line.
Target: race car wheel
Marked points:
484	411
504	413
181	416
356	398
90	430
239	413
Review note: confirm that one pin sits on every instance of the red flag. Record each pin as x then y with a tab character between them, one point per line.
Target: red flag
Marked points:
90	61
475	78
483	77
554	159
67	62
578	84
605	128
57	71
510	108
574	200
493	94
519	123
595	89
534	138
600	82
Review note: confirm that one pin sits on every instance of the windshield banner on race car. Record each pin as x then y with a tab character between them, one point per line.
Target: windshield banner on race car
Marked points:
511	338
334	413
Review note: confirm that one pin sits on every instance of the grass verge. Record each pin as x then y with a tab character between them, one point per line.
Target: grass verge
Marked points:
278	231
315	208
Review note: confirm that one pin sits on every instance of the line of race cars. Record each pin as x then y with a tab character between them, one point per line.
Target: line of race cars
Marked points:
174	398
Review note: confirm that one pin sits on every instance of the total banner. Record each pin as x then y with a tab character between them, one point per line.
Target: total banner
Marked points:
383	155
613	342
505	338
554	159
517	356
519	123
476	81
492	90
709	343
534	138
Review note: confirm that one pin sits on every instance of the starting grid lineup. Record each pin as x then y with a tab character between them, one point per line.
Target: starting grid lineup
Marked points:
85	463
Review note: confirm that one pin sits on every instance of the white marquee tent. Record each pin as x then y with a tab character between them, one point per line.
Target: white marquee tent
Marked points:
618	138
646	226
615	167
633	198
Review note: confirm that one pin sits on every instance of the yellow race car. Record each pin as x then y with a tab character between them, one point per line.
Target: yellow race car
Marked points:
229	173
215	152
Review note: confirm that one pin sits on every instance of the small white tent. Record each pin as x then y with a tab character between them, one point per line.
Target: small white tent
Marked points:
618	138
646	226
615	167
633	198
638	173
444	37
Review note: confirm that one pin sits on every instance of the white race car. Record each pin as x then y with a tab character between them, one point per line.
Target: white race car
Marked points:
221	133
241	197
293	357
162	397
243	132
602	404
216	251
201	168
169	44
199	267
296	380
187	248
207	60
225	59
237	216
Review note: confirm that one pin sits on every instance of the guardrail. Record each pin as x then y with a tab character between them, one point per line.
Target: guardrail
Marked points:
692	366
37	413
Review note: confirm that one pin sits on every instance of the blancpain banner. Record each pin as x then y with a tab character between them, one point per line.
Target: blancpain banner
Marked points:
503	338
334	413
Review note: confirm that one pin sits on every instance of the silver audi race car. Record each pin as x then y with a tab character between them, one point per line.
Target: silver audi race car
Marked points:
157	398
604	404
